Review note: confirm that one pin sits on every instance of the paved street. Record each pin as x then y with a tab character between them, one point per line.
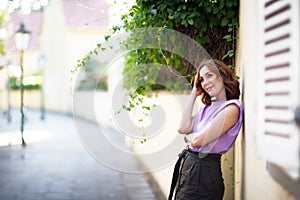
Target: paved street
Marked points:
54	165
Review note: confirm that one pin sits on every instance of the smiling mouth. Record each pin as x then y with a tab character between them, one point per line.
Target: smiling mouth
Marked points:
209	88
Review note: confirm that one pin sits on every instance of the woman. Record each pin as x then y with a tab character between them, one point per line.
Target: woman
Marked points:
209	134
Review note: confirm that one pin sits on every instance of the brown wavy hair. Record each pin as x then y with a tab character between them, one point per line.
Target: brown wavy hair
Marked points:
232	86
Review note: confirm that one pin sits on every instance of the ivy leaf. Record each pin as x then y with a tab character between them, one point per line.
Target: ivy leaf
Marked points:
222	4
230	14
131	105
191	22
183	15
193	14
146	107
200	4
229	53
183	22
162	6
106	37
215	10
229	3
224	22
227	38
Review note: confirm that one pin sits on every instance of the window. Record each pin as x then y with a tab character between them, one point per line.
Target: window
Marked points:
279	95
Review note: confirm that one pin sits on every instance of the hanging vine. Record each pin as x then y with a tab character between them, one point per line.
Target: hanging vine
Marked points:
211	23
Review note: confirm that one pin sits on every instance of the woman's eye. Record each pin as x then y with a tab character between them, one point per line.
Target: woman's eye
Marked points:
209	75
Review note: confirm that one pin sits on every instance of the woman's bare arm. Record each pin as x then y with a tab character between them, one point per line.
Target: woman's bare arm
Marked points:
222	122
187	120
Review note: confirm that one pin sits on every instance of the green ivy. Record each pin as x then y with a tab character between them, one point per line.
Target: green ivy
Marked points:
211	23
91	70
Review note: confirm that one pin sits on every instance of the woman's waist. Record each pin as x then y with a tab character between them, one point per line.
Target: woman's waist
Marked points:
210	157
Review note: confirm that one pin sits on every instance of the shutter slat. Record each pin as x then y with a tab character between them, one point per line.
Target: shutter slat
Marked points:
277	65
277	12
277	19
276	73
275	60
277	38
276	100
277	46
275	6
279	115
280	31
282	131
277	85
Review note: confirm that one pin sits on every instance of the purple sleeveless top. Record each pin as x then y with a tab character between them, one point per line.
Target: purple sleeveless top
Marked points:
206	113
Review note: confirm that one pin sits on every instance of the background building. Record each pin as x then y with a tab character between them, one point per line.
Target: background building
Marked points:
266	155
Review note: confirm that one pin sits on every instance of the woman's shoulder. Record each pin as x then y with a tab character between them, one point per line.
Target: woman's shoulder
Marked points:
232	105
235	106
234	102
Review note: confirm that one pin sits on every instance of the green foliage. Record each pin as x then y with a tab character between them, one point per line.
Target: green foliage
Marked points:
92	81
230	169
86	85
33	82
211	23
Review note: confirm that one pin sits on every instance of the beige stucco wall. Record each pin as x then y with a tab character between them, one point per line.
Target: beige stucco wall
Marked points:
256	182
62	48
32	99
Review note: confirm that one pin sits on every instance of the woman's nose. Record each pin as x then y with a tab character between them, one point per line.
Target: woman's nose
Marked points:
204	82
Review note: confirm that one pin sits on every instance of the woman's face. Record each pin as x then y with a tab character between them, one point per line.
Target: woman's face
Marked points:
212	84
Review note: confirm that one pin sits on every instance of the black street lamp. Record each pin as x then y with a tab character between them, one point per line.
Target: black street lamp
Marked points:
22	38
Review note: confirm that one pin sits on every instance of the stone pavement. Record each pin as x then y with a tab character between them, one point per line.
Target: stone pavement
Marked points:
54	164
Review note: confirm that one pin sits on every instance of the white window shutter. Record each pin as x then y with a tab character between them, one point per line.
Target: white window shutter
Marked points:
278	135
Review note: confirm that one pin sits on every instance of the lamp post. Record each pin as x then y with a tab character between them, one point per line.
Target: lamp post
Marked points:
8	97
22	38
42	66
